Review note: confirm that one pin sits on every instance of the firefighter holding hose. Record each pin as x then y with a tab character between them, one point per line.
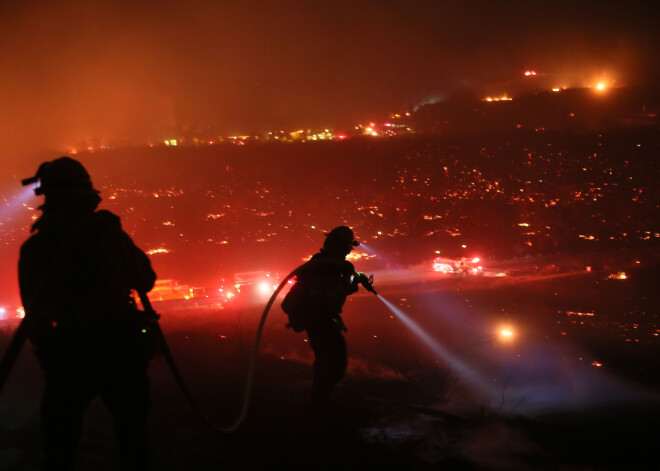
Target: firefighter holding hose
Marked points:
75	273
315	303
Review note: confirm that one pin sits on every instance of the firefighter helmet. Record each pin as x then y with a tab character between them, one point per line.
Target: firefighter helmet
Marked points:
343	234
62	175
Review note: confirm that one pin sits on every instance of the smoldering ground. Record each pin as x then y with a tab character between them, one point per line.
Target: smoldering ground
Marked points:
548	403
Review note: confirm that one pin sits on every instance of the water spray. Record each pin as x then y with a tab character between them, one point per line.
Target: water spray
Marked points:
468	373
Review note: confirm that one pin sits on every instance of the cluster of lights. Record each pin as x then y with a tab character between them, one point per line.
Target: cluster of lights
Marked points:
457	266
226	294
327	134
300	135
322	136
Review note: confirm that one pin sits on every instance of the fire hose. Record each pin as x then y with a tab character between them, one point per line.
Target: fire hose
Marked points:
21	333
367	282
176	373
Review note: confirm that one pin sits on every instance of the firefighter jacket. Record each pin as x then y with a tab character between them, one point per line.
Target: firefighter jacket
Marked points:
328	281
75	277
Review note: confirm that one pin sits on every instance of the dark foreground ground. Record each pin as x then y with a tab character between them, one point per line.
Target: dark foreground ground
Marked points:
575	388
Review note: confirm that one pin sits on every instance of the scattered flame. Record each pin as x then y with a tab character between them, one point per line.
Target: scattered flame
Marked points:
502	98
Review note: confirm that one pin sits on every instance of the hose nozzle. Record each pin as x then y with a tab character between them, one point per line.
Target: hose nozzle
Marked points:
366	281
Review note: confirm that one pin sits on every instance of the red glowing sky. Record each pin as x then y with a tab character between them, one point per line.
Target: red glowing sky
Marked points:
74	70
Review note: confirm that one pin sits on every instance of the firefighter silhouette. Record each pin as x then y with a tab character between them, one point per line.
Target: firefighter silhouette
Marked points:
326	281
75	273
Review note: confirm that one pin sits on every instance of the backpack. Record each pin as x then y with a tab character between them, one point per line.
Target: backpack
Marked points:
296	306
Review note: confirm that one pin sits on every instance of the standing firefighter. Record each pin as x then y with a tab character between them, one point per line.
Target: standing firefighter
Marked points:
75	276
315	303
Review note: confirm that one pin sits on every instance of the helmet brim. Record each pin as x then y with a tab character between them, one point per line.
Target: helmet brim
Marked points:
354	243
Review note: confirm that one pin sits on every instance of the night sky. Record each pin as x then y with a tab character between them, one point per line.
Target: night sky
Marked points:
139	70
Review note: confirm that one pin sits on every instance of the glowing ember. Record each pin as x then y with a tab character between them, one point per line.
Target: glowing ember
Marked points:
155	251
575	313
618	276
354	256
502	98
